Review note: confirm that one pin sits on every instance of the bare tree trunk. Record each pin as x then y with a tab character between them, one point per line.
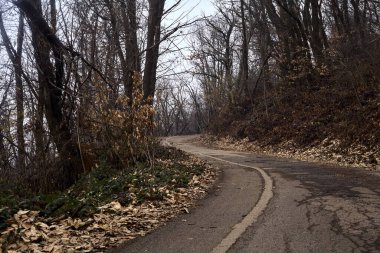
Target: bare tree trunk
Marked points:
15	56
131	45
50	78
358	21
156	9
316	39
39	129
20	96
116	46
243	71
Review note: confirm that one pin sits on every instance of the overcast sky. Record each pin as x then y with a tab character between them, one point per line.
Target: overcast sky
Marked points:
192	8
187	11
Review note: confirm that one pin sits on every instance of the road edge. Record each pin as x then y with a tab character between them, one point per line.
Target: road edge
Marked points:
239	228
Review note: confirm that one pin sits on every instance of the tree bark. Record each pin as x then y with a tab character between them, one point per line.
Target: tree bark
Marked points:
316	39
50	78
243	71
156	9
131	45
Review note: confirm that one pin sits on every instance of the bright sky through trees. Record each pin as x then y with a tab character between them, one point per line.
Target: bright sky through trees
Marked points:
186	12
192	8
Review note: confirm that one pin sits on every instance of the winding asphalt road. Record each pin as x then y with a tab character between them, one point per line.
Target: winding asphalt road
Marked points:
266	204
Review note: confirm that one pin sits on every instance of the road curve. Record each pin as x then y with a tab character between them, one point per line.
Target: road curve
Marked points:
238	229
314	208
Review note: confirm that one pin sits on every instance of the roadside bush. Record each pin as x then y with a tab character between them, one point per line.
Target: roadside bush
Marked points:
120	128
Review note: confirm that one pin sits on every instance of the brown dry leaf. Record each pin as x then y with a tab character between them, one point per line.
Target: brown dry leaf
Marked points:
327	151
112	225
53	249
7	231
22	212
115	206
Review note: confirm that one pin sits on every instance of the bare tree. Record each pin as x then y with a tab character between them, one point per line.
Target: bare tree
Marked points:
51	81
156	10
15	55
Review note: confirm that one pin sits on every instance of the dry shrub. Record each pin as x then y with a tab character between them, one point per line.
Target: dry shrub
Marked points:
110	128
121	127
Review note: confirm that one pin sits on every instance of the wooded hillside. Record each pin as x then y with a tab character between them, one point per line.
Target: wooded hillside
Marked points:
72	89
293	74
88	86
80	82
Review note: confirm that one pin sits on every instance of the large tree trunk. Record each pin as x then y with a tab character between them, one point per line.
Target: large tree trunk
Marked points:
115	46
50	78
156	9
39	129
20	97
316	38
131	45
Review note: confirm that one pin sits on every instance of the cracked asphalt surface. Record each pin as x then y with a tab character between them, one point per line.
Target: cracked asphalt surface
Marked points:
314	208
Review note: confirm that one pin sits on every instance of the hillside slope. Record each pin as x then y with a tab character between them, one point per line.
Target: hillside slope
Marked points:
325	123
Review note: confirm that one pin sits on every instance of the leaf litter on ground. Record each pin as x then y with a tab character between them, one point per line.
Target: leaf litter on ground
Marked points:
328	151
154	195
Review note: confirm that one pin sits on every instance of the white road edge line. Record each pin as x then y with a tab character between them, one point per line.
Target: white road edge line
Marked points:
239	228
